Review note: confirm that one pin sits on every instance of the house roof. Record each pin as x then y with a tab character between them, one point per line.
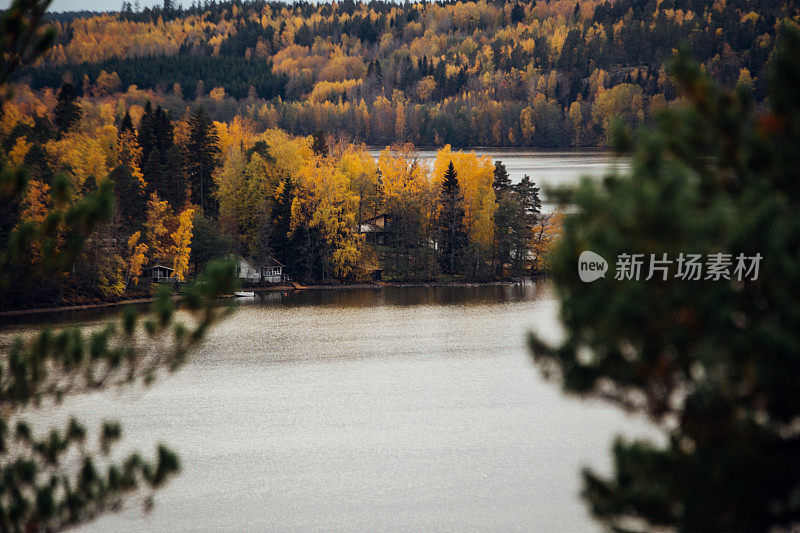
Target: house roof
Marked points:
158	265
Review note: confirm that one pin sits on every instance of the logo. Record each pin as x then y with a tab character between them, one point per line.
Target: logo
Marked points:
591	266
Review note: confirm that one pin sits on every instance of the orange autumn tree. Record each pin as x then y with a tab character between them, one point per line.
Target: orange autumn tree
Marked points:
35	206
544	236
169	236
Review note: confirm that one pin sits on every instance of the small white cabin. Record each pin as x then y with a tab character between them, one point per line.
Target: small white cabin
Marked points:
272	271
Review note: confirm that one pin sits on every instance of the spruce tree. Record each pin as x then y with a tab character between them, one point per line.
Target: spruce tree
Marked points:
162	163
505	216
529	198
126	124
131	198
202	159
714	363
502	182
67	112
452	234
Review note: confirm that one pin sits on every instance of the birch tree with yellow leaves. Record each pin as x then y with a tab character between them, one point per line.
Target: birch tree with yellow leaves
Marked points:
326	204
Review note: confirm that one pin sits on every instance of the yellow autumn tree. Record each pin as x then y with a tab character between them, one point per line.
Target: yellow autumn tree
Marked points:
18	152
111	275
325	202
410	198
475	176
544	235
129	153
358	165
182	240
404	180
158	237
137	258
169	237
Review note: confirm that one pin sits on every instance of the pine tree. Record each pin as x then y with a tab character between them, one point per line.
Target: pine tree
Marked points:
67	112
528	194
131	198
452	234
502	182
126	124
714	363
202	159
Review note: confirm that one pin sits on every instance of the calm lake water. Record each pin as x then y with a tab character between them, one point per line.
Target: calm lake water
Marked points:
367	409
371	409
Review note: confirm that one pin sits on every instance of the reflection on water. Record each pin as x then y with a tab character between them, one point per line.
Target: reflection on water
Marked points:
393	409
399	295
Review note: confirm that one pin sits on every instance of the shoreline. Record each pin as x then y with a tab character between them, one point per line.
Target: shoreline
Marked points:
66	309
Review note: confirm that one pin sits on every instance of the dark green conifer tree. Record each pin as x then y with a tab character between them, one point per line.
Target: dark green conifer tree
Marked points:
202	159
501	182
126	124
284	243
452	233
131	199
67	112
319	146
714	363
529	198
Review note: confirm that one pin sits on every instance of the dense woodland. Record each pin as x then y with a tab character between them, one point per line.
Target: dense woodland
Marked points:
241	128
538	73
187	191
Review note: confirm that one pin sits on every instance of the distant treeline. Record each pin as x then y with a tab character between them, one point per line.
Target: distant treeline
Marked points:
235	74
503	73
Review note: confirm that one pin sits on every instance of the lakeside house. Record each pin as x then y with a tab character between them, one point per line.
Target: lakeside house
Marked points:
374	229
250	272
158	273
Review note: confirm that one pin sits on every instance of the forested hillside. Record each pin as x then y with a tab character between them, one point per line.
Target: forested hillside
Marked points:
241	129
491	73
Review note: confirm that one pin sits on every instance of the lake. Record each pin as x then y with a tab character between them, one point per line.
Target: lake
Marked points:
401	408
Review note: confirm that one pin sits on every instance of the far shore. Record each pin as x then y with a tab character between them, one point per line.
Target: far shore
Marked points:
43	311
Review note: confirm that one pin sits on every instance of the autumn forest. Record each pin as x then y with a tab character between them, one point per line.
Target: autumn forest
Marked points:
274	131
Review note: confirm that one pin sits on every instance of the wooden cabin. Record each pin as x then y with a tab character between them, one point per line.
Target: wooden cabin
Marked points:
158	273
272	271
374	229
